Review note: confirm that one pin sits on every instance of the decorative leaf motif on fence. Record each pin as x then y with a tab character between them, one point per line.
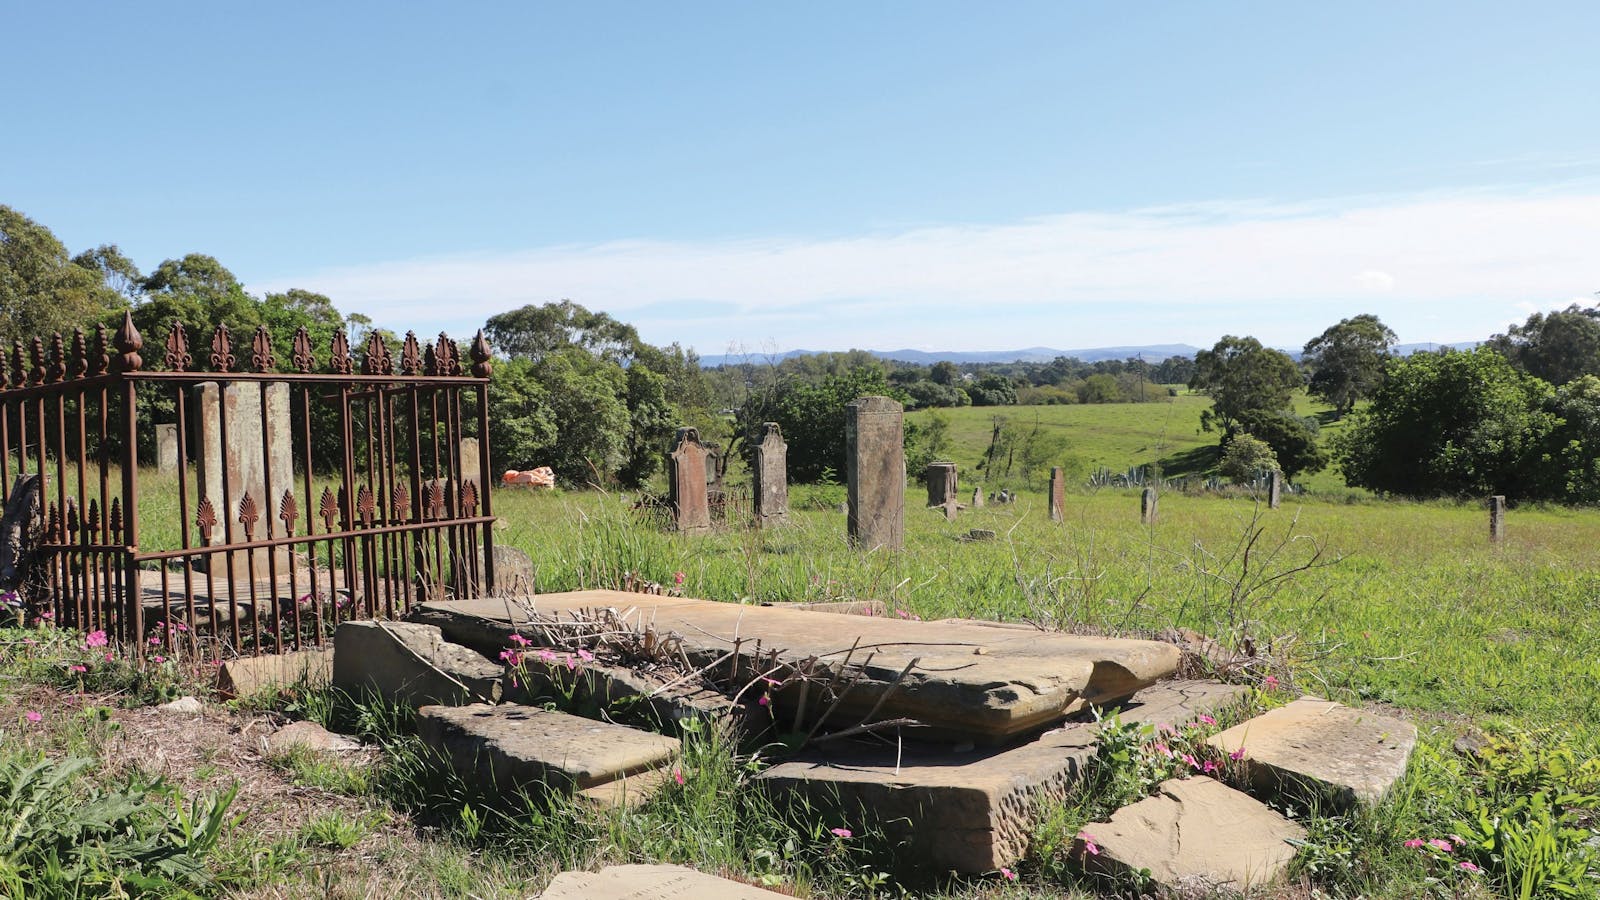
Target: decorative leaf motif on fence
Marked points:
128	342
100	356
446	358
261	350
248	515
328	508
480	356
222	358
402	503
302	357
410	355
436	501
79	362
469	498
339	361
365	506
179	359
206	519
377	361
288	512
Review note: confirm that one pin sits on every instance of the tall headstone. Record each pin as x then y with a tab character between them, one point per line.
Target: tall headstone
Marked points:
772	476
1497	518
468	460
1274	489
1058	494
227	473
166	449
686	483
977	497
941	480
1147	505
876	463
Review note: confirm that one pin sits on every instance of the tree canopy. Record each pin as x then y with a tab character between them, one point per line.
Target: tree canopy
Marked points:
1241	375
1346	360
1558	346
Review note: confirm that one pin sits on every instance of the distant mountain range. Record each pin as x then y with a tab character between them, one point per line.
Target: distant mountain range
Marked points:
1149	353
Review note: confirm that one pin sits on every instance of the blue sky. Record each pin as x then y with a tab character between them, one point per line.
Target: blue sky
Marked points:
829	175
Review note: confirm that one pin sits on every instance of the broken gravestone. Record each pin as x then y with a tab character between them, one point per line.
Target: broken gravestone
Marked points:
1149	506
409	663
17	528
876	461
940	478
1323	746
772	476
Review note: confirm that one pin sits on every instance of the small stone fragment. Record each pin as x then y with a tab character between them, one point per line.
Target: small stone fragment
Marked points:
1352	754
183	706
641	882
307	735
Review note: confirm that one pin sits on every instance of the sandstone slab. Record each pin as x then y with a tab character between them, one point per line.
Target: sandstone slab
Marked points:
410	663
657	695
1328	747
307	736
1196	836
249	675
875	463
972	811
771	474
640	882
517	747
970	682
840	607
686	483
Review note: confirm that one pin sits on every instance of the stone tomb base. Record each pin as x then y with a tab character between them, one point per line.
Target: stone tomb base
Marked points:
972	811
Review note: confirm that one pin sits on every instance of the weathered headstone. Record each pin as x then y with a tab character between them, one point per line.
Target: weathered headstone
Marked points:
1148	502
876	461
686	483
166	449
236	462
1274	489
1058	494
772	476
468	460
941	481
977	497
16	527
1497	518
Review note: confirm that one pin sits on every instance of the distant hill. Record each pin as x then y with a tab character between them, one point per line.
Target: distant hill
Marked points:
1149	353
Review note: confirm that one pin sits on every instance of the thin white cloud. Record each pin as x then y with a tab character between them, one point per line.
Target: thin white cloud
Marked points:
1222	266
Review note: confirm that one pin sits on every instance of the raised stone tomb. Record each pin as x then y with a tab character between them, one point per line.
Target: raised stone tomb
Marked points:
411	664
972	811
971	682
516	748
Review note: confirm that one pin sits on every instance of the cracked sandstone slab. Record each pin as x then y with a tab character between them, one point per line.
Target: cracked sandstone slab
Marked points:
1352	754
1197	836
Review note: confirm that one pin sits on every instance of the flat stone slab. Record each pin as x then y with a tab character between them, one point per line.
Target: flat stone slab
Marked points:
516	747
651	883
308	736
617	688
410	663
842	607
973	811
1353	754
252	675
971	682
1196	836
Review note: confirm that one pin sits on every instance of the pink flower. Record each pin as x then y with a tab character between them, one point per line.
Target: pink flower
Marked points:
1414	843
1163	749
47	616
678	578
1007	874
155	640
841	832
1209	767
1193	763
159	659
77	668
1270	681
511	657
1207	720
764	700
519	640
567	658
33	716
1440	844
182	627
677	775
95	639
585	655
1469	867
545	656
1237	754
110	656
1089	846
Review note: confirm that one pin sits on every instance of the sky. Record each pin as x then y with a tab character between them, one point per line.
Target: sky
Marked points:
762	177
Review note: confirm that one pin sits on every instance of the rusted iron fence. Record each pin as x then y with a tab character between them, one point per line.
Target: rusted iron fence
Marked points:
258	550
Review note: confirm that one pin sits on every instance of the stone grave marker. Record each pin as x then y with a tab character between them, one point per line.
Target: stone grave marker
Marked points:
686	483
1274	489
167	449
772	476
876	462
1148	502
941	480
1058	494
977	497
1497	518
468	458
226	473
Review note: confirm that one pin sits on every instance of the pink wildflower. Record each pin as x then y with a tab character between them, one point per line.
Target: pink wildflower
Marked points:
29	641
1209	767
545	656
33	716
841	832
1193	763
110	656
182	627
571	665
77	668
764	700
678	578
1089	846
1007	874
47	616
159	659
1469	867
155	640
1440	844
1207	720
95	639
585	655
1163	749
1414	844
1237	754
519	640
677	775
1270	681
511	657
